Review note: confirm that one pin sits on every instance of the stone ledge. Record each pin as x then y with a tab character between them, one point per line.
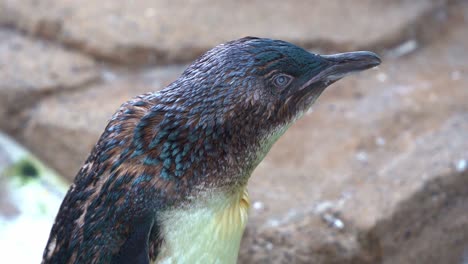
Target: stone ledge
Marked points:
378	147
375	173
422	219
148	32
31	69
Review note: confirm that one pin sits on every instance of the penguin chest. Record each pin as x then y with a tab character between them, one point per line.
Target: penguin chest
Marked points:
209	231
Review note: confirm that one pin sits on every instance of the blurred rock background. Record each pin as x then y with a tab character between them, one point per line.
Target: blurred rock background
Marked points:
376	173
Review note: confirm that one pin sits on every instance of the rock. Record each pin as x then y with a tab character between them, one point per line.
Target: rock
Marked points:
71	123
31	69
142	32
376	173
372	175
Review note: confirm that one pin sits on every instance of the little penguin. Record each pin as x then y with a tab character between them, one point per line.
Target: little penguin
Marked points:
167	180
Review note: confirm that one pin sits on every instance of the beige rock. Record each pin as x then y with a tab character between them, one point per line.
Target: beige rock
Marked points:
376	173
146	31
30	69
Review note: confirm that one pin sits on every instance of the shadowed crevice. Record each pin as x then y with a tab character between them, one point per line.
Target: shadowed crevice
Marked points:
429	227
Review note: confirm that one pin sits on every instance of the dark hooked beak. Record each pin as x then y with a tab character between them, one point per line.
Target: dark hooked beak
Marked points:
344	63
337	66
333	68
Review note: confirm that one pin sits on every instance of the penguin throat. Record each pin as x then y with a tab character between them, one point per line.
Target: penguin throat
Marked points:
209	230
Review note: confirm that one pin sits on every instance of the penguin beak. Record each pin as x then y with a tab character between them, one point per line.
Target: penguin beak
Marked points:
342	64
333	68
337	66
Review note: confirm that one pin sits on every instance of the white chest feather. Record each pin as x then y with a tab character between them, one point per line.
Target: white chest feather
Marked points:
207	232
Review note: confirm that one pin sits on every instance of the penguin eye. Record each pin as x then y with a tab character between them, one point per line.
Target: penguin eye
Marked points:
282	80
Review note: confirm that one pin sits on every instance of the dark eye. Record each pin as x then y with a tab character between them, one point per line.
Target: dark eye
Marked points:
282	80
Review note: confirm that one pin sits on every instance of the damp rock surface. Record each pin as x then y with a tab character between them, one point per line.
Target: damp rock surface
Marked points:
375	173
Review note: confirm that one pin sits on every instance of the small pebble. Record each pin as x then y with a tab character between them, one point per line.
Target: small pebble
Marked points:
333	221
461	165
323	206
150	12
380	141
257	205
362	156
405	48
273	223
456	75
381	77
108	76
